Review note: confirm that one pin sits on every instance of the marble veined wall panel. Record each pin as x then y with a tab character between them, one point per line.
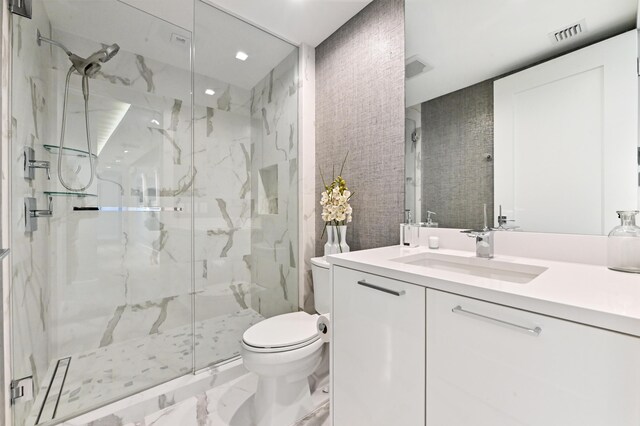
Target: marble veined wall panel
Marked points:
119	276
274	141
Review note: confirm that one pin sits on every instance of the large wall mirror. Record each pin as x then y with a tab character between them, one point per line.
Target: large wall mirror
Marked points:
530	107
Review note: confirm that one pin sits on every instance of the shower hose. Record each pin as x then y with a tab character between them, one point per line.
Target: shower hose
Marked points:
85	93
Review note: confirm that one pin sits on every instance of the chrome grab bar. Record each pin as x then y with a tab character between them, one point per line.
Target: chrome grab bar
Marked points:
384	290
127	209
530	331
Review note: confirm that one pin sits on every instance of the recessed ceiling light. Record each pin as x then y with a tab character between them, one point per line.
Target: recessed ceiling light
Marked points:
156	122
242	56
117	161
210	92
108	167
126	150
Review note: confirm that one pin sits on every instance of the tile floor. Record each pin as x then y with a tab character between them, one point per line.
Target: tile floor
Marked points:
227	405
102	375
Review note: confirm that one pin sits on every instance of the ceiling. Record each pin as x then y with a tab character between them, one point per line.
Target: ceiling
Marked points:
219	36
297	21
467	42
150	27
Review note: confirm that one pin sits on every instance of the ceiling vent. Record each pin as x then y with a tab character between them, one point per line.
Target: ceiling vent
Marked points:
569	33
415	66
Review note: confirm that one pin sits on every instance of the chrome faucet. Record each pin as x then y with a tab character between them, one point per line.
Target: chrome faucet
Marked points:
484	238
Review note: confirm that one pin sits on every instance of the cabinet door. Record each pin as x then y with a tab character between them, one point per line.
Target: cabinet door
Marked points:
378	353
488	365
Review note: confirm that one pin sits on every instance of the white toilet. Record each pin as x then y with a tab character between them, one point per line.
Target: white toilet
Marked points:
284	351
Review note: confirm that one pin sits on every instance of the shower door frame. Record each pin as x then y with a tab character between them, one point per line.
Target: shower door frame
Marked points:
5	207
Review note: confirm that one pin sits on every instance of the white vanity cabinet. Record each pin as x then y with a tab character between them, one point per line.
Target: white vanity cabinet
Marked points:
490	365
378	365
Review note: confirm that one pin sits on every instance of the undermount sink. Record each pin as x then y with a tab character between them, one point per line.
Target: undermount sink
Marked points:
487	268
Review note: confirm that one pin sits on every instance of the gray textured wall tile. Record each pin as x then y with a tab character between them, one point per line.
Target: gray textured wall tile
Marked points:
360	109
457	132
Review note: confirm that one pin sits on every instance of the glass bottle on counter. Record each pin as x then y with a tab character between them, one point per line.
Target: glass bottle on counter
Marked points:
623	245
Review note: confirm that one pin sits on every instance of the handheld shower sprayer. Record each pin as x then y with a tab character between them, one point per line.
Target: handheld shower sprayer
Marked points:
87	68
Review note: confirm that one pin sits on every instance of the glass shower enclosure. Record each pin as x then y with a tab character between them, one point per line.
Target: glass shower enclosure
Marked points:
188	233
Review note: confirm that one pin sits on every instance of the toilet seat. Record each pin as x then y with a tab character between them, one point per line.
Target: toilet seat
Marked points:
281	333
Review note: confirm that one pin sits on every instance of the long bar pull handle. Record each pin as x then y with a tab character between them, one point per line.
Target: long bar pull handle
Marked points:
127	209
384	290
530	331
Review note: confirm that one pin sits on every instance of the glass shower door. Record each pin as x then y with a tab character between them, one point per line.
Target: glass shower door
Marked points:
246	189
102	285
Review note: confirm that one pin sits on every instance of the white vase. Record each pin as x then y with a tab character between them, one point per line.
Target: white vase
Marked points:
342	239
331	246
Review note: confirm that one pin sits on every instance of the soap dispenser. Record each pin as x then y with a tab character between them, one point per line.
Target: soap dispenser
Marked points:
410	232
623	245
430	223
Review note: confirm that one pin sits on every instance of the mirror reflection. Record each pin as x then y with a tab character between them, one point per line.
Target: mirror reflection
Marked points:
528	107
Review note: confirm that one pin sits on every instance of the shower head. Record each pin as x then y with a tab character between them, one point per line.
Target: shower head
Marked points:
110	51
105	54
86	67
90	66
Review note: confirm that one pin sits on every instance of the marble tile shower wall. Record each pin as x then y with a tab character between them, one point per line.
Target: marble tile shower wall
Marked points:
31	118
274	142
222	200
123	276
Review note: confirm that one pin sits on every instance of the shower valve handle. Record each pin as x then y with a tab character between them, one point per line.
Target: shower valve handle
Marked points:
41	165
30	164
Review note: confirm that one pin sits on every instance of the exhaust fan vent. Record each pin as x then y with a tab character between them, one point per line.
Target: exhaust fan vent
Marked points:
415	66
568	33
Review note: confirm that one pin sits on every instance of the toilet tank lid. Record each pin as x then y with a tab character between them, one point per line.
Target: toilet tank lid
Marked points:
320	262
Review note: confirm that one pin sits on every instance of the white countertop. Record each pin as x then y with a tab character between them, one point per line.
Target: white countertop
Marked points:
577	292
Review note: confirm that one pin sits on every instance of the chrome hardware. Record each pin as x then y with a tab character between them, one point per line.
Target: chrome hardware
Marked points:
322	328
503	220
530	331
4	253
55	387
408	216
127	209
31	213
20	7
30	164
484	242
384	290
484	238
21	388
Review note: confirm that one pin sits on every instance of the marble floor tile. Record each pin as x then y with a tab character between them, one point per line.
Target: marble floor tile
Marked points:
227	405
102	375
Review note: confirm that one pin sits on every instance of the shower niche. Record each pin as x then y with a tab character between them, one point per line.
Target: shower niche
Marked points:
268	190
